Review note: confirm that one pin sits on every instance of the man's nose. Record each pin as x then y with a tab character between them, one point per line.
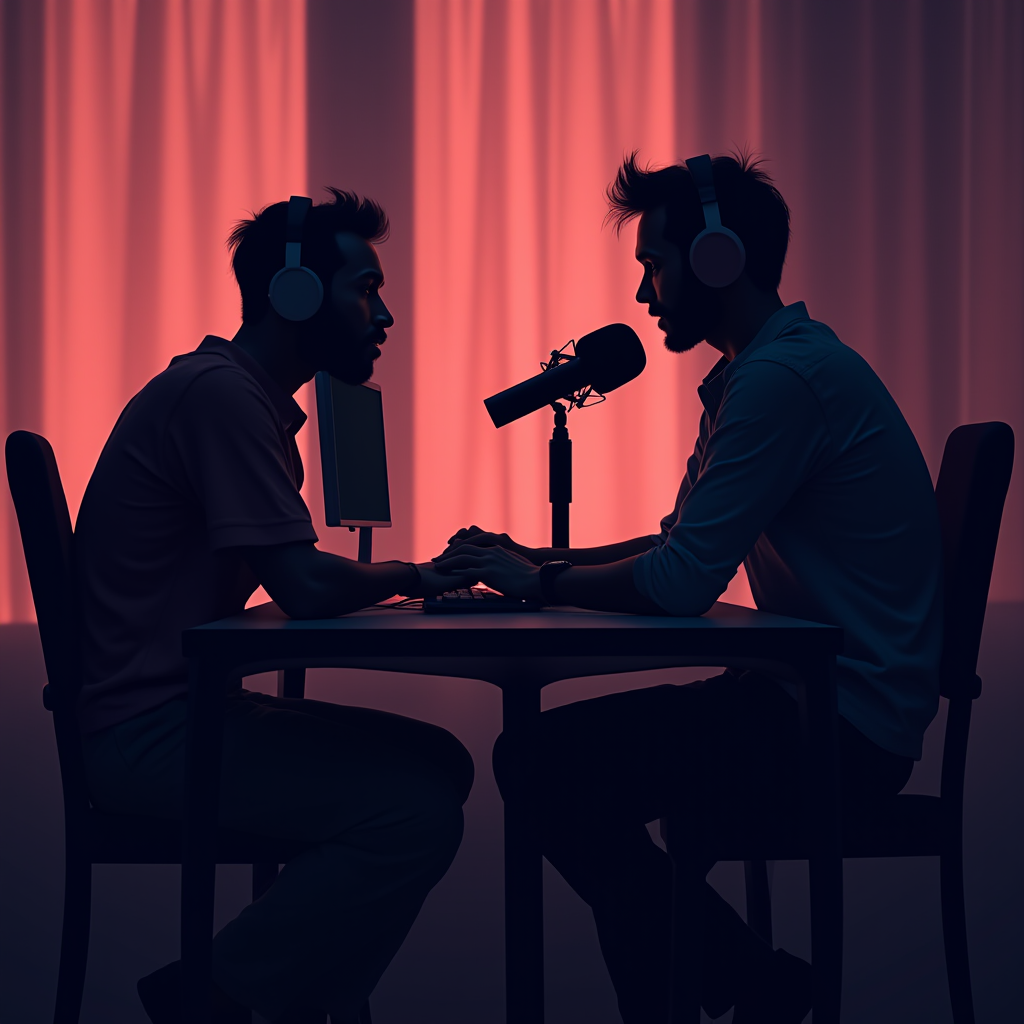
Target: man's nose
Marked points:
383	317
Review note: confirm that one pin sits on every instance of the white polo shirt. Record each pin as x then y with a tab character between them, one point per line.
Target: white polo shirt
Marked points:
806	472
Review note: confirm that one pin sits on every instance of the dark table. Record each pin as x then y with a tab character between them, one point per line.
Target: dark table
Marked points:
521	654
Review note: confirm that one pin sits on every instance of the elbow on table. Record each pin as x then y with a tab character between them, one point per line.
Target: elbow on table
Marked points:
315	603
688	602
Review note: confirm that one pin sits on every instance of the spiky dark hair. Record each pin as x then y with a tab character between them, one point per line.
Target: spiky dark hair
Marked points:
257	243
748	201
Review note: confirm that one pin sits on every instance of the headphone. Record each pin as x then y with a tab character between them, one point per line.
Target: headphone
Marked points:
717	255
295	291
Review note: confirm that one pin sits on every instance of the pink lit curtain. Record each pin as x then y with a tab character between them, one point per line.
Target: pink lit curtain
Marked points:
523	113
134	134
895	131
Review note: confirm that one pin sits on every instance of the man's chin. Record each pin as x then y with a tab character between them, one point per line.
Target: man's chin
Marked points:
353	374
676	342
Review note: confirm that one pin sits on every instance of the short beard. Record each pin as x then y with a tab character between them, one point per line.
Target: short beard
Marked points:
677	344
708	313
346	365
355	372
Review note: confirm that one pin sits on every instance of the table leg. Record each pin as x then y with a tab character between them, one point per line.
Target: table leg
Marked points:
524	916
204	743
822	796
291	682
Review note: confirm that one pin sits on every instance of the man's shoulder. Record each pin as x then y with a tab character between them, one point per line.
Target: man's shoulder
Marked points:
200	377
810	349
183	370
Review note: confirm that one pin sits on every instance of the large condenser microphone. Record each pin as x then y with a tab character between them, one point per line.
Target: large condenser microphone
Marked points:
605	359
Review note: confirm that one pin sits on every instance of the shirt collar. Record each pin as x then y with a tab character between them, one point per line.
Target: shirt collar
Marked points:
292	416
712	387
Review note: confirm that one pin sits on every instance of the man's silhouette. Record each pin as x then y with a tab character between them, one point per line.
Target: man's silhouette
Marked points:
806	472
193	503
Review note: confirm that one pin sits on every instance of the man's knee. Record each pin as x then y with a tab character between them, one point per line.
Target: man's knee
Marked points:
506	760
531	771
435	823
442	751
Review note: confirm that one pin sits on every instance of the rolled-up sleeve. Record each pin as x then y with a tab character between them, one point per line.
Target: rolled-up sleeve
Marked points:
768	435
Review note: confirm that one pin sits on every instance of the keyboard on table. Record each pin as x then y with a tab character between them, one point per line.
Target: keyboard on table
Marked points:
471	600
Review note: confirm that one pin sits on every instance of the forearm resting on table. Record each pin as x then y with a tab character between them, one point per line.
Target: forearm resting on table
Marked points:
307	583
603	555
604	588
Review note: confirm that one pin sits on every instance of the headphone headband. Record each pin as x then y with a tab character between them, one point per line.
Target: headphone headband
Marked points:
298	208
717	255
295	291
701	172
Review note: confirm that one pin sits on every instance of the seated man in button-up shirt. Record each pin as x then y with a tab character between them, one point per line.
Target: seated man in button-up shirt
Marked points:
804	471
194	503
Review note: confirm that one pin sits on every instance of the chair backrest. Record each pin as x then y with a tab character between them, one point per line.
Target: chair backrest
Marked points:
46	537
970	492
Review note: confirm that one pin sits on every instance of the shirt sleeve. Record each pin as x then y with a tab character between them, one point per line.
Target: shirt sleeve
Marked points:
689	479
234	456
767	437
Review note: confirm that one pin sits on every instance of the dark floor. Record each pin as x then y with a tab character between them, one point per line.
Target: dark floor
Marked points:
450	969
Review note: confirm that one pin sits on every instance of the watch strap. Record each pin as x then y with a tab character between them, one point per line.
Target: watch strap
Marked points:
548	572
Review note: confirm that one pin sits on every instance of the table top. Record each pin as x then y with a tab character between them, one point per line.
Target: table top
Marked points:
264	633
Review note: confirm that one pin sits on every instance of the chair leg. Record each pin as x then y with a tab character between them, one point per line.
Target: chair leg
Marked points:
263	877
74	940
954	936
759	899
686	936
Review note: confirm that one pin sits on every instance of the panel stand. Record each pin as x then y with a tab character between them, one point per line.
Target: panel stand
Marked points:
560	478
365	543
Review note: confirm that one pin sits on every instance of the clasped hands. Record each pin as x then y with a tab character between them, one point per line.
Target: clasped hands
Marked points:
492	558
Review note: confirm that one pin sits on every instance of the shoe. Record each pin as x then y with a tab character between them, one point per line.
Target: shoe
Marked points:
160	993
783	997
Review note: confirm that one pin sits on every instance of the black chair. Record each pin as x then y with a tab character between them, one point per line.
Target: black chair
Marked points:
90	836
970	492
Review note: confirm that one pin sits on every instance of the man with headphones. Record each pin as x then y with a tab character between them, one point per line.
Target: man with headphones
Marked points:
805	471
194	502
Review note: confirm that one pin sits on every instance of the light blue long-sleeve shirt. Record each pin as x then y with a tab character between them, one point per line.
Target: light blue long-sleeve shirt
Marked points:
806	472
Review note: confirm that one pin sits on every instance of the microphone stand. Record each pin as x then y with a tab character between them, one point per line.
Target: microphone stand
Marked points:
560	478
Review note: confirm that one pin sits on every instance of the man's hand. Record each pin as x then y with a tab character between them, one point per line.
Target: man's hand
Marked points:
433	582
308	583
473	535
496	566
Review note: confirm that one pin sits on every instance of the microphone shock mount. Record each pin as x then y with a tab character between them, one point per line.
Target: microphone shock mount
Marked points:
585	397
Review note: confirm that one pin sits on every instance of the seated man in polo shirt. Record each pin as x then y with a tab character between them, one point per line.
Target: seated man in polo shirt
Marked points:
194	502
806	472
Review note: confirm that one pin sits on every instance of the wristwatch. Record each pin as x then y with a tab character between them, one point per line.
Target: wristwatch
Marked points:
548	572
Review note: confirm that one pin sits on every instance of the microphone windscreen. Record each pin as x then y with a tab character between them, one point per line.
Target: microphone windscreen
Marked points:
612	355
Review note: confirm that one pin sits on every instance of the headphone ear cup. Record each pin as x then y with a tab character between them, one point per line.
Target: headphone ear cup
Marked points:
296	293
717	257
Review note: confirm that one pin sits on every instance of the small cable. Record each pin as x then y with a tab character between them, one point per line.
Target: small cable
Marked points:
404	605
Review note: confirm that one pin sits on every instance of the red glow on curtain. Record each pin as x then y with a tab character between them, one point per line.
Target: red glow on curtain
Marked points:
515	142
894	132
134	133
163	123
524	111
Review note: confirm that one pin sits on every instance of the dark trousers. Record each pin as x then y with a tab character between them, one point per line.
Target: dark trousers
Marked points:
377	796
730	746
